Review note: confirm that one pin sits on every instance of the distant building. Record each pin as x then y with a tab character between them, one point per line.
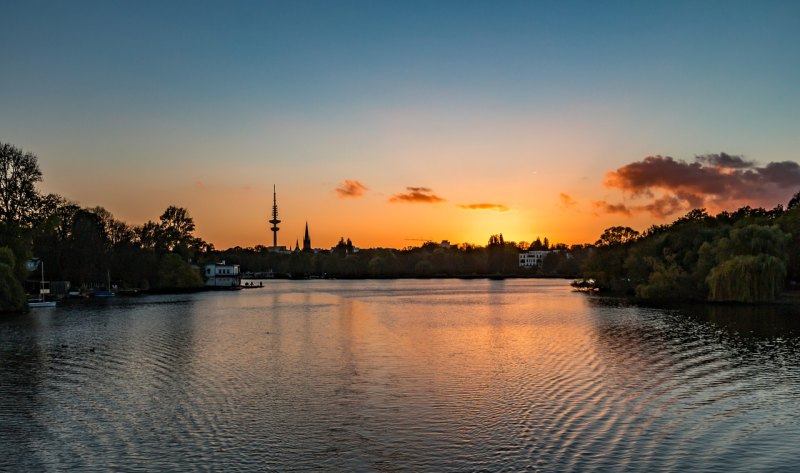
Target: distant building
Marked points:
222	275
532	259
281	250
344	248
307	241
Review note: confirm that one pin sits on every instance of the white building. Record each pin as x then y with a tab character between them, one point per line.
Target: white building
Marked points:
532	259
222	275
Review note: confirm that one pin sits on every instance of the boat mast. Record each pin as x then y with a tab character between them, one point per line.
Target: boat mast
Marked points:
41	286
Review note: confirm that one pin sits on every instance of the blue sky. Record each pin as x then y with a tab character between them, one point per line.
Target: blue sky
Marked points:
477	100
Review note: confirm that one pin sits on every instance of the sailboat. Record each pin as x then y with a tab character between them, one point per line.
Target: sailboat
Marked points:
107	291
41	302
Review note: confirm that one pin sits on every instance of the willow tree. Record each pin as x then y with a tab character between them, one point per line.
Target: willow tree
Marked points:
747	278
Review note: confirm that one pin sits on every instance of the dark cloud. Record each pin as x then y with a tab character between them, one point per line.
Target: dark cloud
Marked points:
350	188
785	174
725	160
665	206
497	207
714	181
417	195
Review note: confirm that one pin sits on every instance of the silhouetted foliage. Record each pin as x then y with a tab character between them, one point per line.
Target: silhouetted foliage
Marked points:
495	248
175	273
19	173
742	256
617	236
12	296
794	202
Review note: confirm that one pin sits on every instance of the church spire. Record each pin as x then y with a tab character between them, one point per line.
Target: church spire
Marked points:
306	240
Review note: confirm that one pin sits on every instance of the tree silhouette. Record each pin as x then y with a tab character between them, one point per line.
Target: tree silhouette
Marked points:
617	236
495	258
19	173
176	228
87	249
794	202
12	297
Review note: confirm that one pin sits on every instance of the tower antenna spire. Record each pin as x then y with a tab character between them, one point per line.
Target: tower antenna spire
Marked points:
274	220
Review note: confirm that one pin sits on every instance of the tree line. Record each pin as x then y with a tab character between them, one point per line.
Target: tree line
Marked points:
427	260
749	255
91	249
86	246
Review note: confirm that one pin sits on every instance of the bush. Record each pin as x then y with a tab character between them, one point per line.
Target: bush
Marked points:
666	282
174	272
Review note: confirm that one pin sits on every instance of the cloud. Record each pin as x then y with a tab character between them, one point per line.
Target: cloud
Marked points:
725	160
715	181
422	195
606	207
350	188
666	206
660	207
485	206
566	201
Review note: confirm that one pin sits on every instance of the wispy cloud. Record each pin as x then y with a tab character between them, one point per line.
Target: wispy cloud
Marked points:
422	195
608	208
566	201
486	206
350	188
661	207
714	181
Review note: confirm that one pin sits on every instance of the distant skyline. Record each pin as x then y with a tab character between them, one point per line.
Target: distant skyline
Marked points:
396	122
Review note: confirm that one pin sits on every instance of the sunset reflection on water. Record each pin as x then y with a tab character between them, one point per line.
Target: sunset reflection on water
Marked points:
399	375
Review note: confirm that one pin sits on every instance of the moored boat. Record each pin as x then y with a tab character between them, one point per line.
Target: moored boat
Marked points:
34	303
44	288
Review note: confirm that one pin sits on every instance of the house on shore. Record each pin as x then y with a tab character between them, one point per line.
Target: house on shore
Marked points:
532	259
222	275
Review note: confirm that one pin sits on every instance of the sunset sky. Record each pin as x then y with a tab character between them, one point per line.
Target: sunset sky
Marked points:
397	122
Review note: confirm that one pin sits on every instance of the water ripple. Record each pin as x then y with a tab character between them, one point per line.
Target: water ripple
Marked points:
425	375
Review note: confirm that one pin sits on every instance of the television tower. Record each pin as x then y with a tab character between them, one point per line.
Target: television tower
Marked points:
274	220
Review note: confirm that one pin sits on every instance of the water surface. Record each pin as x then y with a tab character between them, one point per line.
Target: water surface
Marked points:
408	375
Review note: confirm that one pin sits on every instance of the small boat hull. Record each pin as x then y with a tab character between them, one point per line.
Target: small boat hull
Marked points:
36	304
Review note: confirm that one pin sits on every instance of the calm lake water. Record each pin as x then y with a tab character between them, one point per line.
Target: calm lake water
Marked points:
408	375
